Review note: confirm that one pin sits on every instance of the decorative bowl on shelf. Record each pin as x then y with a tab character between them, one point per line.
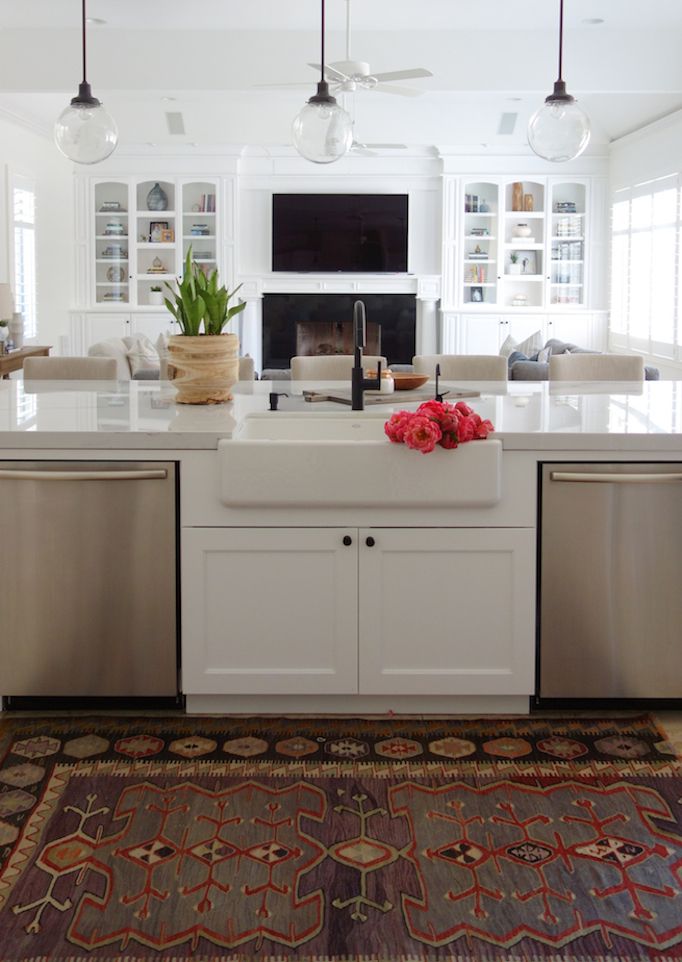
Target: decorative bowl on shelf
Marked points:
407	381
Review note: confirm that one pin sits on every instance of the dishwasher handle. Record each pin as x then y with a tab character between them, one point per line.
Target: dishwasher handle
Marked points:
606	478
148	475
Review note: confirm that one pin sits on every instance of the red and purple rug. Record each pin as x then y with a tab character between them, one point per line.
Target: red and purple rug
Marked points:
221	840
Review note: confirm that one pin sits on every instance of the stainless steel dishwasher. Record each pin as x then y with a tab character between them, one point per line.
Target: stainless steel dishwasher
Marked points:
88	578
611	581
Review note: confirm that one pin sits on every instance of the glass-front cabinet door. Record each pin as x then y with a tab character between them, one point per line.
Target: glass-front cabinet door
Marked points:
112	243
155	238
523	244
479	260
199	222
567	244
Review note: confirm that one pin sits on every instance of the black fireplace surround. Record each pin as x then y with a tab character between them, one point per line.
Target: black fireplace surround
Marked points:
396	314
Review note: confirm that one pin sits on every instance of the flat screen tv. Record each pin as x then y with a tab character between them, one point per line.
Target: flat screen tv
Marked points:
363	233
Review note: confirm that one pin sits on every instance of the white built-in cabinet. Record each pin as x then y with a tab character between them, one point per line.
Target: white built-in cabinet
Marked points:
358	610
125	249
523	243
135	247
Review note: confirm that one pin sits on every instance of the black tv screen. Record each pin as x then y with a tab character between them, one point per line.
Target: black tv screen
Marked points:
363	233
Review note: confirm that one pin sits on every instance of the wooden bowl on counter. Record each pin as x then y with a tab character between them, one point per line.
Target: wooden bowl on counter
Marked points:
406	381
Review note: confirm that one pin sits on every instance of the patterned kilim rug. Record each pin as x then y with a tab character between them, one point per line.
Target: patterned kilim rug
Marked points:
294	840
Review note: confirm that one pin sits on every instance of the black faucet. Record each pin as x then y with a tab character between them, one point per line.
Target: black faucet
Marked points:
359	382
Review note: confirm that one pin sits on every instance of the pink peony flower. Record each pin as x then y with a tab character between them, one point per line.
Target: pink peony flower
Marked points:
483	429
396	425
467	429
422	434
437	422
435	409
449	427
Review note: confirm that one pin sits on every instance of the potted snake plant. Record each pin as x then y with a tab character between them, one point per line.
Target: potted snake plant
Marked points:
206	360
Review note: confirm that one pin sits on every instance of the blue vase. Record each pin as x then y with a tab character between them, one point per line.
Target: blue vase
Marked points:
157	198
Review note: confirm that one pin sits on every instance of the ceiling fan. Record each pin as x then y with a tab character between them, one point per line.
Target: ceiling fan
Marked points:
348	76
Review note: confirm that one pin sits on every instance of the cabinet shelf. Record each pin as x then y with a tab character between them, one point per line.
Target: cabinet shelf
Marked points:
121	260
567	237
155	214
480	213
480	237
525	214
522	243
198	237
111	284
479	284
156	245
110	237
564	284
482	260
197	213
524	277
155	277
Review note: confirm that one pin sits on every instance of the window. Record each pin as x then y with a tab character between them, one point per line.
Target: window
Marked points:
24	247
645	268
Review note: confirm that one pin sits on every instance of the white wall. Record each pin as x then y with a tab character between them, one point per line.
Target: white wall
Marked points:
419	178
28	152
653	151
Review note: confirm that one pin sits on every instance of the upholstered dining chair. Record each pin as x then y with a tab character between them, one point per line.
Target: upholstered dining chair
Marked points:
70	369
333	367
596	367
462	367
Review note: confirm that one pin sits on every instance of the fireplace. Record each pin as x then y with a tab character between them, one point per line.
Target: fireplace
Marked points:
322	324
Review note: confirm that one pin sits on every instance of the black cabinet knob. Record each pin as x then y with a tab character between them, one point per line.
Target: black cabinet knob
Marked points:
347	539
370	542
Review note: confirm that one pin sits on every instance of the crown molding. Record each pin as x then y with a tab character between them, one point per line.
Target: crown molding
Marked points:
34	126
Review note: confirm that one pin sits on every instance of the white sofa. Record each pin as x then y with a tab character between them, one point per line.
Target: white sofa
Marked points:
137	358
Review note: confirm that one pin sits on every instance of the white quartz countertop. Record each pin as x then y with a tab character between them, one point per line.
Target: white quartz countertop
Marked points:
143	415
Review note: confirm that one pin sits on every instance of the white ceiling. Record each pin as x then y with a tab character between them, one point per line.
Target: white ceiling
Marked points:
487	57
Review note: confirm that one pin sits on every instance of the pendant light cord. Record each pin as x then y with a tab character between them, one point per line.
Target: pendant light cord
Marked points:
321	44
84	46
561	36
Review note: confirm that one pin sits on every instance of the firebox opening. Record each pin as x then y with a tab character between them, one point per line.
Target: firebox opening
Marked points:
295	324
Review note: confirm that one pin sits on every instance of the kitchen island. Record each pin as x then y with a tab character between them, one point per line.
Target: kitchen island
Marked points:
413	606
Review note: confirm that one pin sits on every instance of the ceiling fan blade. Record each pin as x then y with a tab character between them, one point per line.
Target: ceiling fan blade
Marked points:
403	74
400	91
331	73
362	149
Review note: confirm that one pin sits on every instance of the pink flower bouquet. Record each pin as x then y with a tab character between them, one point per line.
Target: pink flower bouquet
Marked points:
437	423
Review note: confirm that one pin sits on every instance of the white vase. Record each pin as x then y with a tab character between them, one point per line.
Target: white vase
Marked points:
521	230
514	269
156	298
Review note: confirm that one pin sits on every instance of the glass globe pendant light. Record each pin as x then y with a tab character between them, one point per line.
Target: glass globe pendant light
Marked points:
322	131
85	132
560	129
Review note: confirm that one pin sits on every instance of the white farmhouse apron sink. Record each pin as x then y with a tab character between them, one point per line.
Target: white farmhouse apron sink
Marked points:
327	459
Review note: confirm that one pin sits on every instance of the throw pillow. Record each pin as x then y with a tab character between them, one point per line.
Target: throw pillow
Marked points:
509	345
544	355
142	355
532	344
164	354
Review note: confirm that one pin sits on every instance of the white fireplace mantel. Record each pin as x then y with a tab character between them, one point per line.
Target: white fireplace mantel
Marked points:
425	287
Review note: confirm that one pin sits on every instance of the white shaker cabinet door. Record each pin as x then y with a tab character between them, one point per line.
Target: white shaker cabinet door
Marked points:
447	611
269	610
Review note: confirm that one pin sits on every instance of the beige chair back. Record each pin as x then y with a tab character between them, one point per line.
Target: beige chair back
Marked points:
246	369
335	367
596	367
463	367
70	369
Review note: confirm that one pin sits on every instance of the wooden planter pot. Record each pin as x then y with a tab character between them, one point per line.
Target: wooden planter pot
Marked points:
206	367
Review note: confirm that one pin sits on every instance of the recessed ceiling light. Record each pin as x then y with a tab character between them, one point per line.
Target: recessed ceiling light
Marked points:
593	21
515	99
95	21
